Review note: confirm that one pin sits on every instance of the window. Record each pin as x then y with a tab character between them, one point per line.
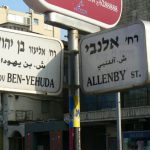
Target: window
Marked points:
136	97
35	21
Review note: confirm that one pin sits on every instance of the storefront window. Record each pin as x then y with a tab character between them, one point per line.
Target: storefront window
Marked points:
136	140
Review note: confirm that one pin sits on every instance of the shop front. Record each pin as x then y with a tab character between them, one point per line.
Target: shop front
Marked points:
136	140
49	135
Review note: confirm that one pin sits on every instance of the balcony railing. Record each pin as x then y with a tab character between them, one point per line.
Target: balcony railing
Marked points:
110	114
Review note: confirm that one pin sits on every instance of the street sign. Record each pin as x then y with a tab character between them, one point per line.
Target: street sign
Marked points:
104	13
116	59
30	63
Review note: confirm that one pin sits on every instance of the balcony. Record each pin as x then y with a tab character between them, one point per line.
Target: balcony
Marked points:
110	114
22	116
13	18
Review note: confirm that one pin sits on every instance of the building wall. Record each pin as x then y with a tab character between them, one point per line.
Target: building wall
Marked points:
38	26
3	14
134	10
111	130
8	15
1	138
22	108
18	109
26	108
32	21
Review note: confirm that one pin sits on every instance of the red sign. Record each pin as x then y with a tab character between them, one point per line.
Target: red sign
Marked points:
104	13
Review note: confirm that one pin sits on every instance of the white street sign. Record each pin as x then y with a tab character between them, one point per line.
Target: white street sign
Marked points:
116	59
30	63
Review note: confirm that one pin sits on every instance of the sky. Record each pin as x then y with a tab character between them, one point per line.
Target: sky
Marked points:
19	5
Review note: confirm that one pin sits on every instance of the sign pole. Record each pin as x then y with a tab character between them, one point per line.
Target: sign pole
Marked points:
119	132
74	91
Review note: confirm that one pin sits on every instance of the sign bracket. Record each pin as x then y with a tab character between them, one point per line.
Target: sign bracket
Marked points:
69	23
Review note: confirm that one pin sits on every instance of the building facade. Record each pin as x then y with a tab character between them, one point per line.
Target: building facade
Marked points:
24	118
98	112
30	22
17	110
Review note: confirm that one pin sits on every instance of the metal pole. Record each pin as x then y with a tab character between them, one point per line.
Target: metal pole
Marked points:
119	131
74	91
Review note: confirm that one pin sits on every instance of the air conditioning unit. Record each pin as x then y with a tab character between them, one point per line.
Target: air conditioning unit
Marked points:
26	21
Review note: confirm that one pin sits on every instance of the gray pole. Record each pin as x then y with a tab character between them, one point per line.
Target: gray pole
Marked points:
119	130
74	90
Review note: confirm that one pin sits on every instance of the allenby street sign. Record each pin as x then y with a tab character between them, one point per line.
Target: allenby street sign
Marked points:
116	59
104	13
30	63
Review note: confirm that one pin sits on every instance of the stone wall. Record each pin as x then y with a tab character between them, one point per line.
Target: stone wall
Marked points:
134	10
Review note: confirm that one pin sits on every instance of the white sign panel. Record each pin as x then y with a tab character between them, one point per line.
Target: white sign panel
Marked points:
30	63
116	59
